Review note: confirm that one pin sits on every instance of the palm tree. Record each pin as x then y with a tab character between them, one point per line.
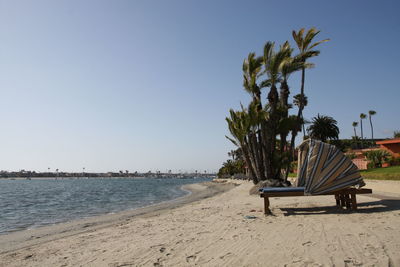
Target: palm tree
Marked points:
355	124
251	72
371	113
305	46
362	116
323	128
240	126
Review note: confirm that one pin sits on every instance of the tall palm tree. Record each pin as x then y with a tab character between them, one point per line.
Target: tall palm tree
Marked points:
274	63
305	46
323	128
371	113
252	69
355	124
362	116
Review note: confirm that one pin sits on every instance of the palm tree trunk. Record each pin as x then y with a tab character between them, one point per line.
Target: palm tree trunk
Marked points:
362	133
299	116
249	165
284	95
252	160
273	99
301	107
372	128
264	145
260	153
355	133
257	157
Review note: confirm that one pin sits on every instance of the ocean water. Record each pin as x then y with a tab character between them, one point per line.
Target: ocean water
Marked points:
31	203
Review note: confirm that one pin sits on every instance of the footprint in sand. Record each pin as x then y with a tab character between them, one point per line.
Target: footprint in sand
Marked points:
191	258
157	263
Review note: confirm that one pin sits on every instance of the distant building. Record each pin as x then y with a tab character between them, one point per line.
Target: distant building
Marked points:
390	145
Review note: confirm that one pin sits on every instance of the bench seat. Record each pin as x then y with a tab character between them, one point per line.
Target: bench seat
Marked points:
344	197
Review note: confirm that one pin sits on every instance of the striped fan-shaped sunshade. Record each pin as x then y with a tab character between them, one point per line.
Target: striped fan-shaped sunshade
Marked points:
323	168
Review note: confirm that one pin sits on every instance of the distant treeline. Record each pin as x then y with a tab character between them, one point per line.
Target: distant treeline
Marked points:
355	143
34	174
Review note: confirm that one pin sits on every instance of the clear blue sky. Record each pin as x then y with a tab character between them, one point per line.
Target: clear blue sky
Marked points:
146	85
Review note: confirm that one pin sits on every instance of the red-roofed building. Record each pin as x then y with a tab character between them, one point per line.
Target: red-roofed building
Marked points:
390	145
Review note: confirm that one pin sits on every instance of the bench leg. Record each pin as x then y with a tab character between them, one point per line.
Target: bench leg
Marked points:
353	201
337	198
348	201
266	206
342	200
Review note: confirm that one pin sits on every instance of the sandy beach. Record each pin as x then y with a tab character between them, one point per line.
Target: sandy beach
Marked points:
210	228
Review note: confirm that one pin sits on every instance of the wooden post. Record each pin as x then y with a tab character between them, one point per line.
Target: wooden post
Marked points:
353	201
266	206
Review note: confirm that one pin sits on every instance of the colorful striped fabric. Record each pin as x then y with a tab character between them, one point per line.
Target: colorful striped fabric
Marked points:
324	168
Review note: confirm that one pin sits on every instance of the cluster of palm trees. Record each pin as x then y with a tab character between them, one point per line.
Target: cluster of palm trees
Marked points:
236	165
262	130
362	117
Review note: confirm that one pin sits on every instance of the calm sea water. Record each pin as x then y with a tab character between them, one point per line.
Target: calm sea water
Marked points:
31	203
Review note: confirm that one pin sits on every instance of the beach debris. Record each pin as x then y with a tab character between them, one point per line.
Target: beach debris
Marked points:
307	243
162	249
250	217
28	256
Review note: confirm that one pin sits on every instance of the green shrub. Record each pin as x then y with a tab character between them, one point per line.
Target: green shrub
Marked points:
377	157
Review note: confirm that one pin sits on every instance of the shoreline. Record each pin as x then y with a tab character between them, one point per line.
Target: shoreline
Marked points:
33	236
230	229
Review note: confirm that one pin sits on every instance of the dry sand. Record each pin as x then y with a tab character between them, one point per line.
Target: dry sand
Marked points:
304	231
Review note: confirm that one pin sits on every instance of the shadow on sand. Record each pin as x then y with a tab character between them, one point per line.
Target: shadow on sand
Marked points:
386	204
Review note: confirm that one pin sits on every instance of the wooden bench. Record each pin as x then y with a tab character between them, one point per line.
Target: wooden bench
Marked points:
344	198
